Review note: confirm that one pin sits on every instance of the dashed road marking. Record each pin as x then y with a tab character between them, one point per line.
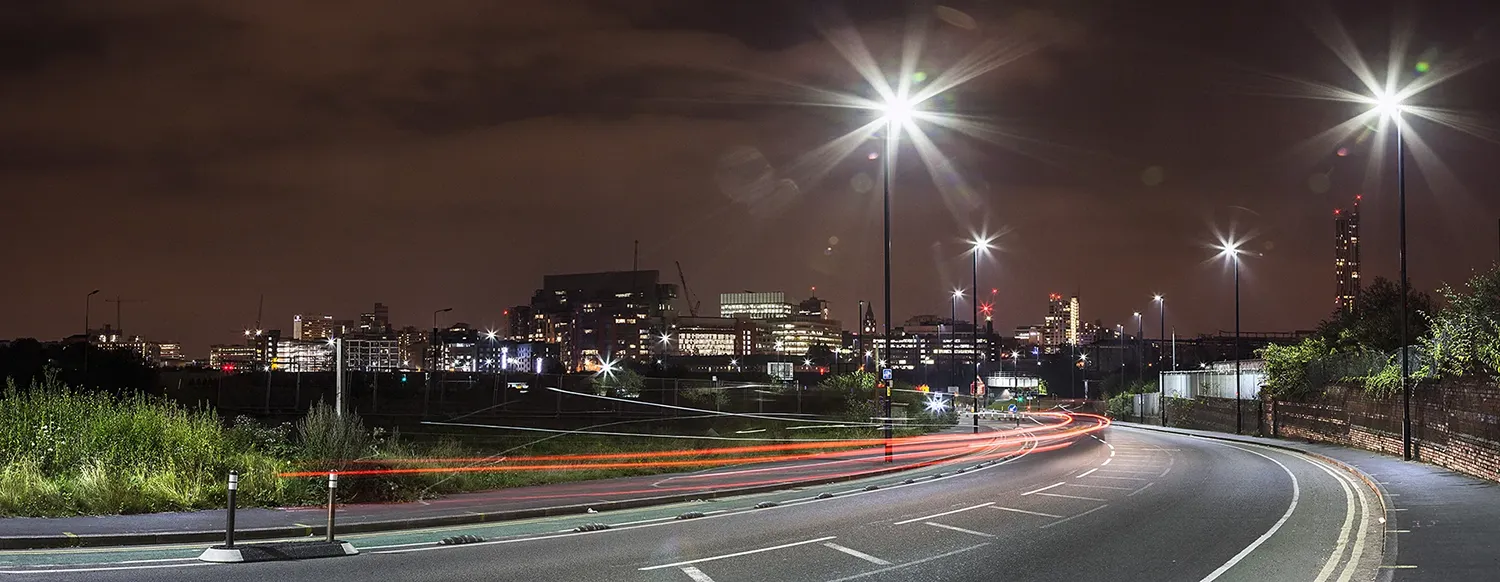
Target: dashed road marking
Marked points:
944	513
1036	513
1071	518
696	574
959	529
1079	497
857	554
1035	491
736	554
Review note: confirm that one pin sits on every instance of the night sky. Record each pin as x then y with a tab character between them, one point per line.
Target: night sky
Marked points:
196	155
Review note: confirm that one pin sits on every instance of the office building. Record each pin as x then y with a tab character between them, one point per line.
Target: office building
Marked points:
411	347
312	327
376	321
599	316
1346	256
231	357
753	305
718	336
1031	335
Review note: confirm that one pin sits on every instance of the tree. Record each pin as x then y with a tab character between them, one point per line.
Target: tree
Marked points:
1465	337
1374	322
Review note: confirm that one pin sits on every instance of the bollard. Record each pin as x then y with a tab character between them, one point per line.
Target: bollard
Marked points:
333	487
234	483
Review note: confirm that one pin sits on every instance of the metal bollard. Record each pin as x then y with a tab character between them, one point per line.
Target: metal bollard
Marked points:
333	487
234	483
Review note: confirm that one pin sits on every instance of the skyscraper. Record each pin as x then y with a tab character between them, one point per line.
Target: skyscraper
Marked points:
1061	325
1346	256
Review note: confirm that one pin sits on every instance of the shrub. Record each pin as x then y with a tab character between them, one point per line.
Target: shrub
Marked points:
325	436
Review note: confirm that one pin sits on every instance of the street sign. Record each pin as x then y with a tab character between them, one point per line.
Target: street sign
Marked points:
885	374
1012	408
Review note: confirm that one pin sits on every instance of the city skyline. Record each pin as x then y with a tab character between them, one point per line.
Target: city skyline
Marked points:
1110	198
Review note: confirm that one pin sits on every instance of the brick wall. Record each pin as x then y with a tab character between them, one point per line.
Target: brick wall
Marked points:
1216	414
1455	424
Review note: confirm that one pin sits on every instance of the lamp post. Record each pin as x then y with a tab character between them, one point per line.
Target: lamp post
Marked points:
897	111
1231	250
432	345
980	244
1140	344
87	334
1390	106
1161	387
953	338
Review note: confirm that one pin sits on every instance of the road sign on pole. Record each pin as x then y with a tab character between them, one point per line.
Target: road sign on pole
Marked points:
885	374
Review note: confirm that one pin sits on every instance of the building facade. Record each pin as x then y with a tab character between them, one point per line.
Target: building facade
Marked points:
1346	256
596	317
756	305
1061	326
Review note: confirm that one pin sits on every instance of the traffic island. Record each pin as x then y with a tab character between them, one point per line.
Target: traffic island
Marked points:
277	551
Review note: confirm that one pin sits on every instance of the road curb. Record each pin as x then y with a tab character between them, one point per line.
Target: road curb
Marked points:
68	540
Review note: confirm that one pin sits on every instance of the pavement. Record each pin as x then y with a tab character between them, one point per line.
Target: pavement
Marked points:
1440	525
490	506
1122	504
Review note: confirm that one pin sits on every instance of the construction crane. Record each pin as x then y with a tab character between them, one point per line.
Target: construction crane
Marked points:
118	302
687	295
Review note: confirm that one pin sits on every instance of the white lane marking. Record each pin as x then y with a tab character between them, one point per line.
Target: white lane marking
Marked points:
1036	513
1132	471
944	513
1058	484
696	574
909	564
1165	471
1356	490
959	529
1120	478
1071	518
1112	453
1080	497
1343	540
1296	497
1359	538
1087	473
1143	488
1106	462
105	569
1099	487
736	554
857	554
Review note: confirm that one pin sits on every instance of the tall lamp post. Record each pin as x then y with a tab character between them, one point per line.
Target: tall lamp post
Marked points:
1231	250
87	333
1140	344
1389	107
432	345
1161	388
953	339
896	112
980	244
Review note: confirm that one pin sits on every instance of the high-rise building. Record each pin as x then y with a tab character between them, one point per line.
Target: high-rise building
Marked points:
411	347
598	316
377	321
312	327
1073	321
753	305
1346	256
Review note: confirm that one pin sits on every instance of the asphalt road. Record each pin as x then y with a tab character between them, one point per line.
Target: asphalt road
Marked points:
1129	505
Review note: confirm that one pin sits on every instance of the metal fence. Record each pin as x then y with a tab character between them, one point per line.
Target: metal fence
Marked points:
1217	383
1146	406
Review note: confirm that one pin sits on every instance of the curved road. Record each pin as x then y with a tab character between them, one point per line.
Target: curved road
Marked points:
1122	504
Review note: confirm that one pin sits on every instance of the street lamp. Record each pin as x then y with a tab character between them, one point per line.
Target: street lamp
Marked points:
87	334
980	243
1161	388
895	111
1140	343
1388	105
953	324
1231	250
